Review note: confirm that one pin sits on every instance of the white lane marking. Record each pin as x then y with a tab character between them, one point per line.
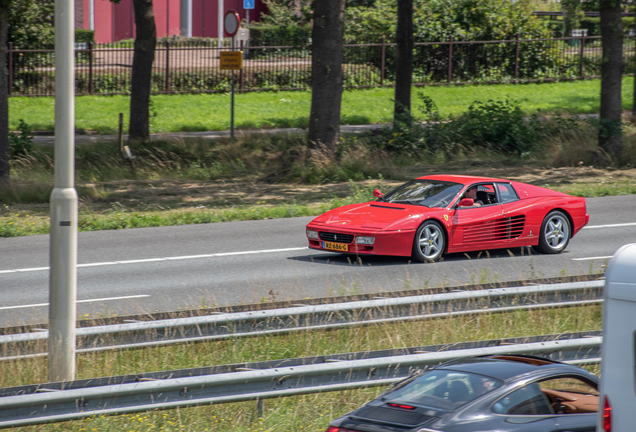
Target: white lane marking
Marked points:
610	226
95	264
593	258
150	260
78	301
32	269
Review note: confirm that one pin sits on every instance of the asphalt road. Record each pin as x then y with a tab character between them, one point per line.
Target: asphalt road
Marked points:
163	269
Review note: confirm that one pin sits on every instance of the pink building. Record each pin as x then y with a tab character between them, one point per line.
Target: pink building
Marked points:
114	22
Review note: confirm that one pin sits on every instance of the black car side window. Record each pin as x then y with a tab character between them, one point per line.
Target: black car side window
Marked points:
528	400
570	395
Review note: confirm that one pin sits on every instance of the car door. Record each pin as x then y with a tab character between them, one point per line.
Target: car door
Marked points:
519	233
575	402
478	228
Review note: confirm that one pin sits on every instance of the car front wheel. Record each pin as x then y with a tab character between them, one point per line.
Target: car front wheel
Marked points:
555	233
429	242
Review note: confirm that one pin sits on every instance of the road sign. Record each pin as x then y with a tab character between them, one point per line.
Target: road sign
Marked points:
231	60
248	4
231	23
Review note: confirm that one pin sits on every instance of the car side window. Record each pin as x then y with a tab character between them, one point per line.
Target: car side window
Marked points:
528	400
481	194
570	395
506	193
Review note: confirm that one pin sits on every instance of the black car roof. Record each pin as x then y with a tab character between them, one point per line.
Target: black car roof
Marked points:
503	367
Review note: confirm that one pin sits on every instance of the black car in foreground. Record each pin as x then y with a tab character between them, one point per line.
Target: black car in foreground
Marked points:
478	394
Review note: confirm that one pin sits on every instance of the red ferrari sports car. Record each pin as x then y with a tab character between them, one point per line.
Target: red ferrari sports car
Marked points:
433	215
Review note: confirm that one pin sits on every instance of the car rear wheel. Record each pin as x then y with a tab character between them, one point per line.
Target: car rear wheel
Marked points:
429	242
555	233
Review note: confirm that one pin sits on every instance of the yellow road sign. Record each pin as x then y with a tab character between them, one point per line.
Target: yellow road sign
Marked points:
231	60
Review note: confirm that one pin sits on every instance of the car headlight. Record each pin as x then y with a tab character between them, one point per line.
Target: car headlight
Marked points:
365	240
312	234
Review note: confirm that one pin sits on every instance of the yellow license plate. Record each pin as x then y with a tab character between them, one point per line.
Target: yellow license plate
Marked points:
336	246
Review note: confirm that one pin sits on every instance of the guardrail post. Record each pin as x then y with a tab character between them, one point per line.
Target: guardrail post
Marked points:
517	59
10	68
90	68
260	408
581	73
382	60
167	86
450	59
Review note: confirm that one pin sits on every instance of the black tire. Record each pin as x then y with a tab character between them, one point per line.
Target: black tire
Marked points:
555	233
429	242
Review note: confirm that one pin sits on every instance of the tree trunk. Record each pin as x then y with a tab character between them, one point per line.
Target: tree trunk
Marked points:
403	62
326	75
570	20
4	95
609	138
145	41
634	95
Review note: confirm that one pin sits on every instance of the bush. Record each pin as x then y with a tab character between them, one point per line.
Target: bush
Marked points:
273	35
463	20
593	25
20	143
86	36
499	126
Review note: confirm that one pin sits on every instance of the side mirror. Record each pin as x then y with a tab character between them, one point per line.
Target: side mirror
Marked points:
466	202
377	193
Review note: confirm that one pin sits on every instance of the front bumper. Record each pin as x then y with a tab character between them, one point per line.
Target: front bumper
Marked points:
393	243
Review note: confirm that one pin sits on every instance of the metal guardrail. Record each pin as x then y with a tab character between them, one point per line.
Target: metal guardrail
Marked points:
314	317
66	401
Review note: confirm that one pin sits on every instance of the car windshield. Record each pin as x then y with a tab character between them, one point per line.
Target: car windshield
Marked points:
428	193
444	389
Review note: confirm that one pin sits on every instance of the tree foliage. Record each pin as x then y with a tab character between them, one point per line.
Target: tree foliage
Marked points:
437	20
571	16
31	23
287	12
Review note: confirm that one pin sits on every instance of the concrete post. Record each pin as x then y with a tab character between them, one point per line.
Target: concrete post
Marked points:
186	18
63	249
91	15
220	23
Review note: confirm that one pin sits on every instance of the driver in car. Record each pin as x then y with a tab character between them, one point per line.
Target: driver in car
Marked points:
472	194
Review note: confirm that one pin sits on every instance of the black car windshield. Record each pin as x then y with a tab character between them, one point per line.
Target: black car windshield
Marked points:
444	389
429	193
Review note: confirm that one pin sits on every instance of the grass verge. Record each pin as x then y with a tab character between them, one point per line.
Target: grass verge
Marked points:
17	221
210	112
266	176
310	412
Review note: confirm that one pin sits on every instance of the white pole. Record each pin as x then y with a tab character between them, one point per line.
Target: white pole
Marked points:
63	249
220	31
91	15
186	18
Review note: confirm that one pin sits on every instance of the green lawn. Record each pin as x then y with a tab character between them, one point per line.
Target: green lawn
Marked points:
203	112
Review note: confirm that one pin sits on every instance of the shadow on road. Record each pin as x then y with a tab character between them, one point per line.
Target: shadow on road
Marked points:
380	261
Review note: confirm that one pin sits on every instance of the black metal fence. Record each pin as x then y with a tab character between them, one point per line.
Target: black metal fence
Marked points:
192	67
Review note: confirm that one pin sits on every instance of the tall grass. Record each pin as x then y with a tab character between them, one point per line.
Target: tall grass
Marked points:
311	412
